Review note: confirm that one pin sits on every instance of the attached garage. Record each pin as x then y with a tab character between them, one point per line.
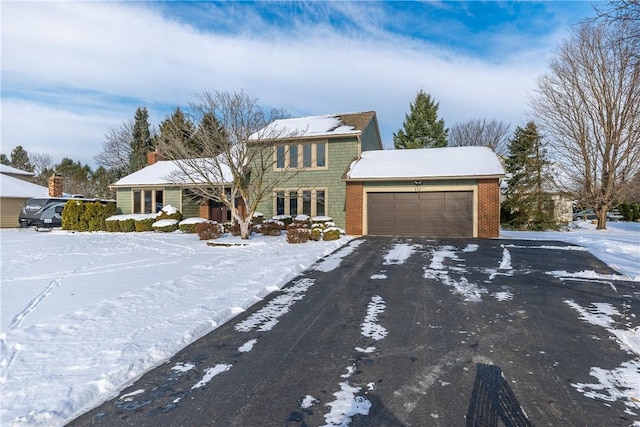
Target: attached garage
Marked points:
431	214
15	189
435	192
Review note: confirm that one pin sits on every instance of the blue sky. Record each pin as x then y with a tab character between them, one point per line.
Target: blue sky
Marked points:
71	70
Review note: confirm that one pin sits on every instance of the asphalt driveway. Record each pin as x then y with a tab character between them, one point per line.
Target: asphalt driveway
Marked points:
411	332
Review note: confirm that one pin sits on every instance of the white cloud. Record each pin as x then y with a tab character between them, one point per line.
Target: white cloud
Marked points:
98	61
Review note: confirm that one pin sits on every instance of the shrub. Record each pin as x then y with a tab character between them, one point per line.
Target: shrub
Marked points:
127	225
92	216
144	224
271	228
233	228
189	225
110	209
169	212
209	230
284	219
72	214
315	234
298	233
302	219
112	225
331	233
258	217
165	225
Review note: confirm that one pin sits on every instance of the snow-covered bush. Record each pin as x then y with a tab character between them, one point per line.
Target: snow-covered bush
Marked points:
189	225
272	227
169	212
209	230
298	233
166	225
302	219
284	219
331	233
258	217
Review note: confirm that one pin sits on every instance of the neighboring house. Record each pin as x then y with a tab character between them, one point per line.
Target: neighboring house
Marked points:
15	189
157	185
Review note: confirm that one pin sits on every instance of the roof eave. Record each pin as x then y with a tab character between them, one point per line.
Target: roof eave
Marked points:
425	178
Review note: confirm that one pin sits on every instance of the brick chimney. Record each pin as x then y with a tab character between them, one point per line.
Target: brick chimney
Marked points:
55	185
153	157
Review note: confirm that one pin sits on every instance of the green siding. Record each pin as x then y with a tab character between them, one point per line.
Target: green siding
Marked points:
124	200
173	197
341	152
190	208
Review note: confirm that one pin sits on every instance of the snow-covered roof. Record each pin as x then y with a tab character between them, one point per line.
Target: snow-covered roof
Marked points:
426	163
316	126
6	169
18	188
167	172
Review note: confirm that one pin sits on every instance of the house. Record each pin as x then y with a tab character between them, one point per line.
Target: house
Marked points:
346	175
335	166
15	189
161	183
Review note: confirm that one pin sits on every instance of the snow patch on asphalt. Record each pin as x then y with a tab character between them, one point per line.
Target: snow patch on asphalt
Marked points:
619	383
248	346
461	285
334	260
370	327
209	373
399	253
268	316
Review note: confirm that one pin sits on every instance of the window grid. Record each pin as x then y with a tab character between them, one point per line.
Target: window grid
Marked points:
306	201
309	156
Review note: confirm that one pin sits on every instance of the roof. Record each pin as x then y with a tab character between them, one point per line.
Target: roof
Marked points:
426	163
19	188
316	126
169	172
6	169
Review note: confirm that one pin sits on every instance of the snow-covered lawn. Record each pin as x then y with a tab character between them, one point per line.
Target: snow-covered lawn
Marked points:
83	314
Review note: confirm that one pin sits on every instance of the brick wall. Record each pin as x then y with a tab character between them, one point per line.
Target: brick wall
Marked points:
488	208
55	185
354	208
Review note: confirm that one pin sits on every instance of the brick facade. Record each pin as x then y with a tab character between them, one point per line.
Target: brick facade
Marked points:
488	208
354	208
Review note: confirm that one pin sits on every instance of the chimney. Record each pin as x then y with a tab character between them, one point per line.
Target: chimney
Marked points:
55	185
153	157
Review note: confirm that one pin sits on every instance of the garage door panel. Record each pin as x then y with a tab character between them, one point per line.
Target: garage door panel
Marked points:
430	214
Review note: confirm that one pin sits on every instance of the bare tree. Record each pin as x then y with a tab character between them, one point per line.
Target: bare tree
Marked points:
481	132
625	12
228	162
116	149
42	167
589	106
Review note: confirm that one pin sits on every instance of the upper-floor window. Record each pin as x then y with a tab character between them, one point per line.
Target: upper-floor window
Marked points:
308	155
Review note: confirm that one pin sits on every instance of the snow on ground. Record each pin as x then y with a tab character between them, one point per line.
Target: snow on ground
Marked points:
84	314
618	245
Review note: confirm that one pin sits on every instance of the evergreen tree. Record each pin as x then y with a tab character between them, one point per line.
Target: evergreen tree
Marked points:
100	180
20	159
212	131
421	127
142	143
528	204
4	159
177	127
76	177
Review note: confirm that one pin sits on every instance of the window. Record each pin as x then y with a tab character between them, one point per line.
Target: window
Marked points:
147	201
293	156
306	155
309	155
320	155
305	201
280	156
293	203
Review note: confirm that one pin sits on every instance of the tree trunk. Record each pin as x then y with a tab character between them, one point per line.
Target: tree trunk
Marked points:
602	219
